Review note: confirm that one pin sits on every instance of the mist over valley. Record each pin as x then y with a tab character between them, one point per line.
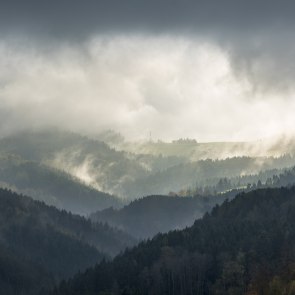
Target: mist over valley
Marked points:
147	147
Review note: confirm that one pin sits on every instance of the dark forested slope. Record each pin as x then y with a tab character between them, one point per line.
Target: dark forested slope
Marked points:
245	246
265	179
143	218
52	186
41	245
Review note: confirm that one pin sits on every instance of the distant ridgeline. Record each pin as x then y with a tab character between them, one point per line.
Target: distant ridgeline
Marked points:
206	173
265	179
41	245
145	217
245	246
39	164
185	141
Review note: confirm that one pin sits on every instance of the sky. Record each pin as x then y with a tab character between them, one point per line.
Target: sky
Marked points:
210	70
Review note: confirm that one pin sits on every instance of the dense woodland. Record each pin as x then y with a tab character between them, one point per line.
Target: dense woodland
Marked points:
41	245
245	246
264	179
145	217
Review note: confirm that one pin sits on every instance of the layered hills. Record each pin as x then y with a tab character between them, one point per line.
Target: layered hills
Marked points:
245	246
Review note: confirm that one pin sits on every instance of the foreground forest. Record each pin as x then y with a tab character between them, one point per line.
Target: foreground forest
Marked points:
41	245
245	246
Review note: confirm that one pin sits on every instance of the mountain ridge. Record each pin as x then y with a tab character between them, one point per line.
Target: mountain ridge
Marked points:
243	246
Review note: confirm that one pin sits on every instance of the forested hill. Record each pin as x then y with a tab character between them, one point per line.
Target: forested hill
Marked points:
245	246
203	173
145	217
267	179
52	186
92	161
41	245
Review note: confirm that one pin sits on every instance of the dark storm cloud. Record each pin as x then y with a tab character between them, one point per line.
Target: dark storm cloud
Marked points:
73	18
257	34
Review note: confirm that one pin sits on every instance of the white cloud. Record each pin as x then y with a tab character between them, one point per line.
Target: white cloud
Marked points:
171	86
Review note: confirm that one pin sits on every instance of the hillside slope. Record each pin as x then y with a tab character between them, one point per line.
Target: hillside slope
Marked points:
91	161
143	218
245	246
41	245
52	186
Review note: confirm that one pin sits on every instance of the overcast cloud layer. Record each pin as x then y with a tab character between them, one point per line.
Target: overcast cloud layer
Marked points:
214	70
